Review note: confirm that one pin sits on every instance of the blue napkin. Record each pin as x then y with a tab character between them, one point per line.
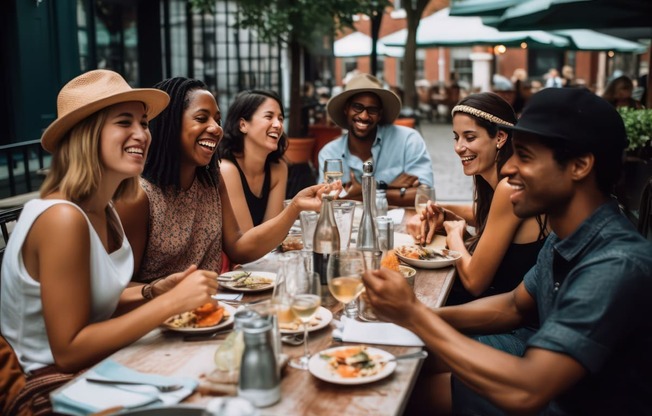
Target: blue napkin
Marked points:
80	397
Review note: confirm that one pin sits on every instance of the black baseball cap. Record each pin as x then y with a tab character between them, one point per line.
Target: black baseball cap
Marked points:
578	117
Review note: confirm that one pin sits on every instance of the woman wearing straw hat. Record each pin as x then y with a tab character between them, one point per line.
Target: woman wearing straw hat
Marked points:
68	263
401	159
183	214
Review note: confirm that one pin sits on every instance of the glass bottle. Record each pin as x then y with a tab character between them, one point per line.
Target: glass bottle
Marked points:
326	240
260	382
367	232
381	203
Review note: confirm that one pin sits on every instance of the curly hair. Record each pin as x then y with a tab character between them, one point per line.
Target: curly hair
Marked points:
243	107
163	165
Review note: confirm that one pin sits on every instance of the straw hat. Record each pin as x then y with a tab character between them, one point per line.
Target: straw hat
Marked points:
359	84
94	91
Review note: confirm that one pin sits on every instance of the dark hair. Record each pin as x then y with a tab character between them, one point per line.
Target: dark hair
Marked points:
496	106
163	165
243	107
610	92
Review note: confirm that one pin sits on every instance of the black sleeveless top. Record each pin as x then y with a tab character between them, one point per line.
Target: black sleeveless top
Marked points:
257	206
518	260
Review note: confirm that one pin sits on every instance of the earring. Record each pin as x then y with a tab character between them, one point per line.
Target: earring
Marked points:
497	147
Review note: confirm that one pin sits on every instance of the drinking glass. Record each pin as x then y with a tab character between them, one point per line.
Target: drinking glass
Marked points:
423	195
305	290
344	276
333	171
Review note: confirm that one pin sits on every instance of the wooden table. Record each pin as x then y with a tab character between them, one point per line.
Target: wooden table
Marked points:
301	393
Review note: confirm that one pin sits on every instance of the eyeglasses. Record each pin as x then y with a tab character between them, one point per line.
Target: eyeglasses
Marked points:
372	111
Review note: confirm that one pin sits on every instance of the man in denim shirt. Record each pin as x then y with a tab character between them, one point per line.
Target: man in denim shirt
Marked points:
401	159
589	290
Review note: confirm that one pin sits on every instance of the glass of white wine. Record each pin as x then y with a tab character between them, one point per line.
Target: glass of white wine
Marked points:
305	288
344	276
333	171
423	195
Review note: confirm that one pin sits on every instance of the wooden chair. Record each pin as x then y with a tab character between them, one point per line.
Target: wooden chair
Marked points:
7	218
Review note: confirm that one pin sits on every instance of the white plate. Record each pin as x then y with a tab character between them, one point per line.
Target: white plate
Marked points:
319	367
326	317
431	264
223	323
267	275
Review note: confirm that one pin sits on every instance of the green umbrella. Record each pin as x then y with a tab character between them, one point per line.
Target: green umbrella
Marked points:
480	7
590	40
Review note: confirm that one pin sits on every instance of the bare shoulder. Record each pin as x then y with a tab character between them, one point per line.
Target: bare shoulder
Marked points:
279	171
135	209
65	221
501	199
227	167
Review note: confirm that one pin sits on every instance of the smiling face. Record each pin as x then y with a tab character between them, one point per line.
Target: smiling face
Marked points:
476	149
265	128
125	138
200	128
540	183
362	125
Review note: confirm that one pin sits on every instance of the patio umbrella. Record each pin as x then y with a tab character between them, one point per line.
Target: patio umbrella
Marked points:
573	14
358	44
590	40
441	29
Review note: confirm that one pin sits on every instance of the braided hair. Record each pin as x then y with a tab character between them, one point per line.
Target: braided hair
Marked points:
163	165
243	107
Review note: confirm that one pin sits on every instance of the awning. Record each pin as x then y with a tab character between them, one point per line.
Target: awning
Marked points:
358	44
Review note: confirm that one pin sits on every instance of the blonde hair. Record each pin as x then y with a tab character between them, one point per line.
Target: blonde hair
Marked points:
76	168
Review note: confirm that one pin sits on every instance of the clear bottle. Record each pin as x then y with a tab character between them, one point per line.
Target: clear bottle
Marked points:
326	240
260	382
382	205
367	233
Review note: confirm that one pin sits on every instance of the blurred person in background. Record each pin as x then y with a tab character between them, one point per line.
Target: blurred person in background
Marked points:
619	93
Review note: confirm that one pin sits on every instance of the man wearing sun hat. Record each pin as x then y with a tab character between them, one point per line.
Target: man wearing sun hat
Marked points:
400	157
589	289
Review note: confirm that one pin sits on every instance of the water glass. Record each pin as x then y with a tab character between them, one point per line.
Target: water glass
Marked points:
333	170
308	223
423	195
344	210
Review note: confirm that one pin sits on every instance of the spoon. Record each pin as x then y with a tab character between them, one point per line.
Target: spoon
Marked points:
419	355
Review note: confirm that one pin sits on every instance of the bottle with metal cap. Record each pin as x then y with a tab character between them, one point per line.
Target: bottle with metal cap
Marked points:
326	239
260	382
367	233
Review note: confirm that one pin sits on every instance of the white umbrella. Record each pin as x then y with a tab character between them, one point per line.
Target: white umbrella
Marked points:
358	44
440	29
590	40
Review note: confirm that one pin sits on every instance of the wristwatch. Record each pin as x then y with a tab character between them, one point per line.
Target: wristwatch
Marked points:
403	189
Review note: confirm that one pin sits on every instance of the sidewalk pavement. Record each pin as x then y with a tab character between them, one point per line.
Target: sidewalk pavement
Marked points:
451	185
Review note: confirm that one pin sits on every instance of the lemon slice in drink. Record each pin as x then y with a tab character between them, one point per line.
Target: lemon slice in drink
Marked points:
229	353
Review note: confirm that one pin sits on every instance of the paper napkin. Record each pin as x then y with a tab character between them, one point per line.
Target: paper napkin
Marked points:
228	296
80	397
396	215
384	333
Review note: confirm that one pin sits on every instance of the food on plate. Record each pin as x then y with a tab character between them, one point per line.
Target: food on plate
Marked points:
245	280
354	362
206	315
390	261
424	253
292	242
295	324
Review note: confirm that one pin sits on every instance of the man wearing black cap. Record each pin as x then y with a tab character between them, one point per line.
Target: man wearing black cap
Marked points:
589	289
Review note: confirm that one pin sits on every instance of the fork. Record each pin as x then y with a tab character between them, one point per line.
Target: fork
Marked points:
164	388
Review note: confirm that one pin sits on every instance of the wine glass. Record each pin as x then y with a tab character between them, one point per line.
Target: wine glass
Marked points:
344	276
305	290
333	171
423	195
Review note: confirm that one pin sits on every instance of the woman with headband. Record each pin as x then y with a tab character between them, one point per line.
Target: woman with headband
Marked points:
504	247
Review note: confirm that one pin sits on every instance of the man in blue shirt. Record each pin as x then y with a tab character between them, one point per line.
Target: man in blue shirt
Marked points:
400	157
589	289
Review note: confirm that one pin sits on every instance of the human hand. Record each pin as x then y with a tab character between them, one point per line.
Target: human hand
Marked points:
455	228
309	199
353	188
390	295
195	288
404	180
432	219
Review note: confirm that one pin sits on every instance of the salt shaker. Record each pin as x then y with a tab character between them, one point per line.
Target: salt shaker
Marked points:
260	382
381	203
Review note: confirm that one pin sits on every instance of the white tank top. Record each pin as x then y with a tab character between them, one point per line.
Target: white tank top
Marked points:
21	311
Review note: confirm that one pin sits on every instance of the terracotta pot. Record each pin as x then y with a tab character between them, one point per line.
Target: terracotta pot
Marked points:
322	134
408	122
299	149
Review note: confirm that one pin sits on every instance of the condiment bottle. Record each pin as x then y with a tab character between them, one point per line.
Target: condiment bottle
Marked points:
367	233
260	382
381	203
326	240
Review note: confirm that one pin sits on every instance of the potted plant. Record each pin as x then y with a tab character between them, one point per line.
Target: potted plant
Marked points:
637	169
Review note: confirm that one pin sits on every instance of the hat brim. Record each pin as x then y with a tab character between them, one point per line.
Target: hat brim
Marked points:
155	101
390	101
